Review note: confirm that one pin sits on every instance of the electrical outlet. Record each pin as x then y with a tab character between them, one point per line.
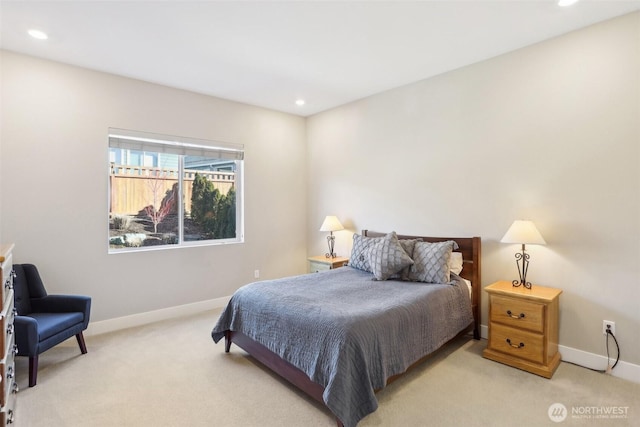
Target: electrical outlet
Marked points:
256	274
608	324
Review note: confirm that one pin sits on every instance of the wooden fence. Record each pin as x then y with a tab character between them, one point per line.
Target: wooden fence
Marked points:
135	187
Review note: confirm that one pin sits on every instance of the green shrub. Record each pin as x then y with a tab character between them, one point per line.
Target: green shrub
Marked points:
215	213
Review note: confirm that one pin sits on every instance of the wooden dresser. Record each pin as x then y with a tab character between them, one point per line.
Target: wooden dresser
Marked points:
322	263
523	327
8	349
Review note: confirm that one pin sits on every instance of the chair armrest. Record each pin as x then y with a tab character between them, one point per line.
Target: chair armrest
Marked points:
60	304
63	304
26	333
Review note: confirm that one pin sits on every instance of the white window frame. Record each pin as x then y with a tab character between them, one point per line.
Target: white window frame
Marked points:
182	146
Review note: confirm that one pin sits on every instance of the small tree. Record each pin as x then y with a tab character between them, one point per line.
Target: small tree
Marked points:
167	206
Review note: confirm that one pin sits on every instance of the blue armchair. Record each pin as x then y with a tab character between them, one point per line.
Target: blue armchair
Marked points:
43	321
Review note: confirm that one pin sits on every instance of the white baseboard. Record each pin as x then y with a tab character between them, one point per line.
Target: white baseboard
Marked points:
110	325
624	370
484	332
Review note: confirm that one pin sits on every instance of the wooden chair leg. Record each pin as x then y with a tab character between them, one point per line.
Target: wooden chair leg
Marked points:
33	361
83	347
33	370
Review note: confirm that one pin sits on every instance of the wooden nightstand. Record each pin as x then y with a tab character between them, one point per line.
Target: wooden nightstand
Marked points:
523	327
322	263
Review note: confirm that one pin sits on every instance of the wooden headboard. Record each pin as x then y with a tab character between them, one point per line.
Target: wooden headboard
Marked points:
470	247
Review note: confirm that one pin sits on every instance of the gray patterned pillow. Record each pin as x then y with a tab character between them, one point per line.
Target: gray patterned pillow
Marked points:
408	245
387	257
358	258
431	262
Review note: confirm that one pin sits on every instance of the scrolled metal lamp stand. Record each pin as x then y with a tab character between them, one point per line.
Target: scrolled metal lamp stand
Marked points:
522	269
331	241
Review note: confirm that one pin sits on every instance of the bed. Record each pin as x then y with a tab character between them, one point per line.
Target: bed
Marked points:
341	335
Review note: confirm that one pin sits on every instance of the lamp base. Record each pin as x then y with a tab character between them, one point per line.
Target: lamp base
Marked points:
522	261
516	283
331	241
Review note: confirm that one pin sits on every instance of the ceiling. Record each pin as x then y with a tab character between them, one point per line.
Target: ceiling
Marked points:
271	53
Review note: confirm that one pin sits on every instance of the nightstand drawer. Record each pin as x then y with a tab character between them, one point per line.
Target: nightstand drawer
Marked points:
315	267
517	343
517	313
323	263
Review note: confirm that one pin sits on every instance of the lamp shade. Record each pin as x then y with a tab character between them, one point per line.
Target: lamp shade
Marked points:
524	232
331	223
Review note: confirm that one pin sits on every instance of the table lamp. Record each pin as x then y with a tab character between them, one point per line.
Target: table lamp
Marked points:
523	232
331	224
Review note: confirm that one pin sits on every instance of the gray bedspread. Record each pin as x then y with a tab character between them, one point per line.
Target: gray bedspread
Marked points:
347	332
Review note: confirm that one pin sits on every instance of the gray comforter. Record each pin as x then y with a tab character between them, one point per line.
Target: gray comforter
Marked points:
347	332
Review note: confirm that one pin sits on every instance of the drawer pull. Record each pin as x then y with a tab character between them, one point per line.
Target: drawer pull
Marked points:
513	316
513	345
10	329
15	349
14	387
10	372
9	416
9	283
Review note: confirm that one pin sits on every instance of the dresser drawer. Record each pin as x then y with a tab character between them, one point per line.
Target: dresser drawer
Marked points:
7	413
6	325
517	343
518	313
8	384
6	279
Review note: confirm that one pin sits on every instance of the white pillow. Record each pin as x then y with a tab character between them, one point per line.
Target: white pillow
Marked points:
455	262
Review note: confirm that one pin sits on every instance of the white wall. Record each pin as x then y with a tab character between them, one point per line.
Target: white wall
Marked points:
54	186
549	133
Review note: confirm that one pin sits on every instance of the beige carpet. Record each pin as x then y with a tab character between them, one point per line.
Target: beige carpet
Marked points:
172	374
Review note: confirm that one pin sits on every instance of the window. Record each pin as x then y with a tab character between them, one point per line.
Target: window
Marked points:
167	191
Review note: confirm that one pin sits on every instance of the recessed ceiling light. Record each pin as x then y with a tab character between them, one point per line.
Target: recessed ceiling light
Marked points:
300	102
37	34
565	3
